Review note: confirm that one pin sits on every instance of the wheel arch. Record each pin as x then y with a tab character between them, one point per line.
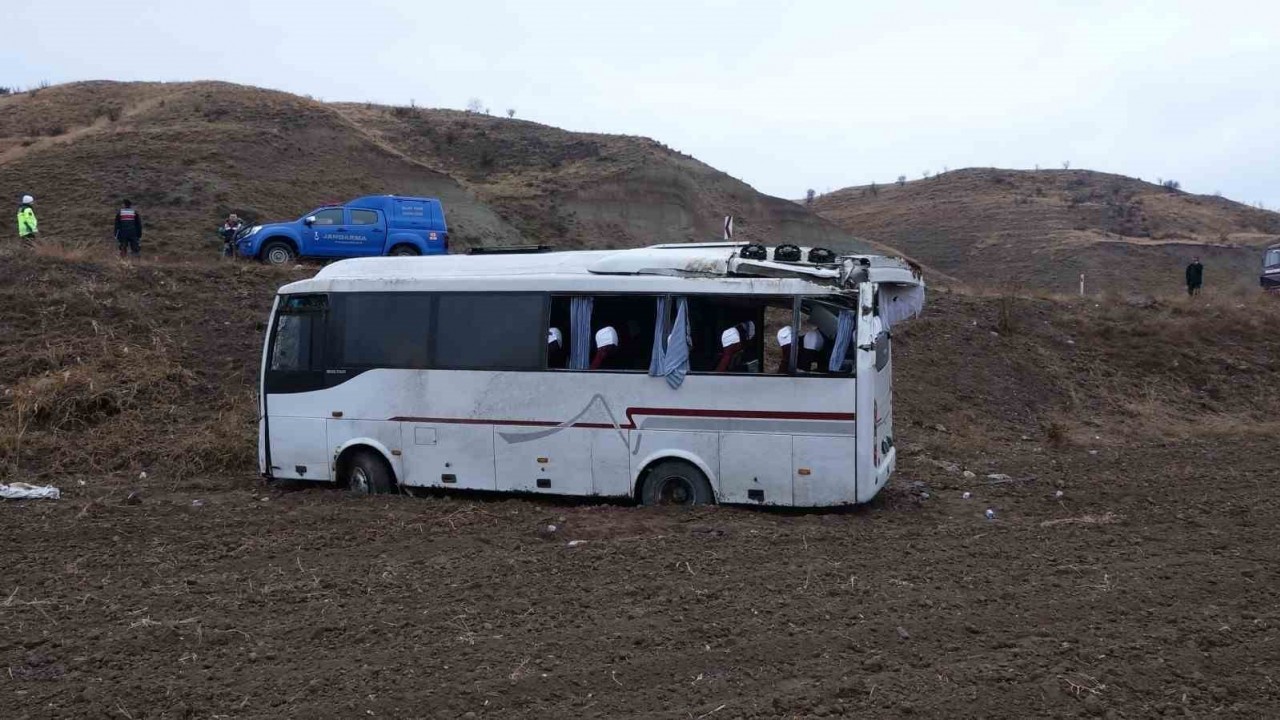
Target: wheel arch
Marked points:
658	456
417	247
343	453
406	238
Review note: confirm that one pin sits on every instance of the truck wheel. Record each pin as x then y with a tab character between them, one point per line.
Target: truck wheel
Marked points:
278	252
676	482
367	474
404	251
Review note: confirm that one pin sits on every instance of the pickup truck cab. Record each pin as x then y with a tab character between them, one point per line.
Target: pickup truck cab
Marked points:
367	226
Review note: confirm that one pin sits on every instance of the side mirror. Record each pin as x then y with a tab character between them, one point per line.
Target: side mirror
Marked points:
310	219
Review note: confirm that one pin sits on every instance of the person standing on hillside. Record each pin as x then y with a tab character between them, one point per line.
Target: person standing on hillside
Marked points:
27	226
229	230
128	230
1195	277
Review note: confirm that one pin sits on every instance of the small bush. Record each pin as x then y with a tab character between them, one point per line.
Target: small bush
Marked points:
401	111
809	195
1172	185
55	130
511	112
6	90
902	180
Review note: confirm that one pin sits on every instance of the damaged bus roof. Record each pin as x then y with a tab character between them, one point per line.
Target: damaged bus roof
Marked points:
717	268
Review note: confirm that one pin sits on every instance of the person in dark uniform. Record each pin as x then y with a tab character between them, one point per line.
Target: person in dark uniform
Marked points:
1195	277
228	231
128	230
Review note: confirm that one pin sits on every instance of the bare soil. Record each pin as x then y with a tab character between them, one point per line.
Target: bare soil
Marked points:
1147	588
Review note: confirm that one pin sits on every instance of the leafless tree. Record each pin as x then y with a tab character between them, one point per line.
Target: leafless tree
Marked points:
1066	164
902	180
511	112
809	195
475	105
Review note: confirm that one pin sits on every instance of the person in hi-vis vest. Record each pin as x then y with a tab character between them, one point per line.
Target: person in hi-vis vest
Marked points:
27	226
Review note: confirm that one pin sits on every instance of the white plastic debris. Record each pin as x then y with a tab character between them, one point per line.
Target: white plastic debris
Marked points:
969	474
142	475
991	514
924	496
551	528
24	491
998	476
1059	494
197	503
966	495
576	543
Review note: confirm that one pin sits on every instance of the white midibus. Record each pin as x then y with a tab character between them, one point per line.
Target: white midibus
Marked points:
681	374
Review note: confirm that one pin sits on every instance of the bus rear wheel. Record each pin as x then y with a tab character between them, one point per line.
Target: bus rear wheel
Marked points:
675	482
367	474
404	251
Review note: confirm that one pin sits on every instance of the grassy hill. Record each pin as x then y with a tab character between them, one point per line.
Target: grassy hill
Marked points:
1041	229
188	153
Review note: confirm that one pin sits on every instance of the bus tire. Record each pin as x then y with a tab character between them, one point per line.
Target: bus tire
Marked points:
278	252
404	251
676	482
367	473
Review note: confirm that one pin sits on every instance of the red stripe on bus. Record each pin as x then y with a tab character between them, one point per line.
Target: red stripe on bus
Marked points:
652	412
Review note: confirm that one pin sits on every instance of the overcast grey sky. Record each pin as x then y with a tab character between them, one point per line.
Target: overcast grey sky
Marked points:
785	96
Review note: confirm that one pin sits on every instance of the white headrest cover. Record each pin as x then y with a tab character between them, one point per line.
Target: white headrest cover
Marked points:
554	336
606	336
784	336
751	329
813	340
730	337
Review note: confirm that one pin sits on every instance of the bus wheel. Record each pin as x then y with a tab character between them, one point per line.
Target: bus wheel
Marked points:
368	474
675	482
277	252
404	251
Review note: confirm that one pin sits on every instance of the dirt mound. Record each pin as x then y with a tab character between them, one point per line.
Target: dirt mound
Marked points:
588	189
1130	569
1042	229
189	153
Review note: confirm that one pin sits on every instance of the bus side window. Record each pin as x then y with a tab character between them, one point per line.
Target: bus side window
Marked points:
728	333
559	323
632	319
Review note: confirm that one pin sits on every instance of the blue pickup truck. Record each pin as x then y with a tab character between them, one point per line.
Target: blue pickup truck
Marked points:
371	225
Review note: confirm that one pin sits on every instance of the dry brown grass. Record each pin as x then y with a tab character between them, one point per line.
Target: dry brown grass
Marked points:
115	368
67	249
